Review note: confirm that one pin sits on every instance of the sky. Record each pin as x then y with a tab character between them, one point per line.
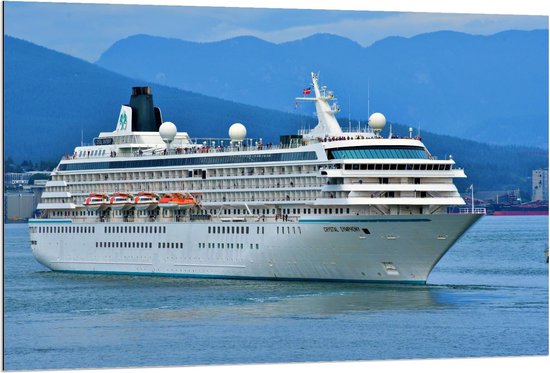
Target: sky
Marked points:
85	30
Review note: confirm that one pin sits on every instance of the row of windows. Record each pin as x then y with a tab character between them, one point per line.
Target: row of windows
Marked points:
73	213
135	229
280	170
66	229
399	167
229	245
170	245
284	211
289	230
380	153
230	230
124	244
192	161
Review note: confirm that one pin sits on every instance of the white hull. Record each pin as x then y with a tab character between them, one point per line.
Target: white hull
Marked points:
322	205
394	249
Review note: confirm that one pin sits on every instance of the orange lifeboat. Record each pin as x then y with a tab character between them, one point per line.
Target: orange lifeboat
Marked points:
96	202
121	201
146	201
179	201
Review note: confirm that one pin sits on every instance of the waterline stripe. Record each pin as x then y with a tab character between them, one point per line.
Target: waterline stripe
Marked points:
251	278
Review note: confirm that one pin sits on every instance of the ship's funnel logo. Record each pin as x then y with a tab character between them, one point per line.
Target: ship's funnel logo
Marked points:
123	121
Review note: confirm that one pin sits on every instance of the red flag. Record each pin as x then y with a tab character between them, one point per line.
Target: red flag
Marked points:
306	91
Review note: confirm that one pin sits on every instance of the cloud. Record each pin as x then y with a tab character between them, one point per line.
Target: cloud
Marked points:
369	30
87	30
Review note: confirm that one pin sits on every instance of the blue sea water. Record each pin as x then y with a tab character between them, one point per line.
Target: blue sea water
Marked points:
487	297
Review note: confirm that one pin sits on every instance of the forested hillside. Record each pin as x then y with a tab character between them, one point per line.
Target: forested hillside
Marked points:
50	98
492	89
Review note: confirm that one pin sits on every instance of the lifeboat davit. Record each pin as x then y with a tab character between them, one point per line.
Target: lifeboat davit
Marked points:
177	201
96	202
121	201
146	201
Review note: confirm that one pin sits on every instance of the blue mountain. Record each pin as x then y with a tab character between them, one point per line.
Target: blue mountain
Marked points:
486	88
51	100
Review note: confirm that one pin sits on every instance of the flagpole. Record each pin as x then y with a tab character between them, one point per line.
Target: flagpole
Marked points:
472	198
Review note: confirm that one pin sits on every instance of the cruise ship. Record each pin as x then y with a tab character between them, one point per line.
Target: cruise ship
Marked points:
322	205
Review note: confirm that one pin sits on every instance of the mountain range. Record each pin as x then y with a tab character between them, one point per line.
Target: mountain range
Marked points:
492	89
52	101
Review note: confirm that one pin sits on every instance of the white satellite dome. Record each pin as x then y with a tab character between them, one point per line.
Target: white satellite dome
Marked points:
237	132
377	121
168	131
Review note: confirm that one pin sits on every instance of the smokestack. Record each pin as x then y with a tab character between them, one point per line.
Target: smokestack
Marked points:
145	116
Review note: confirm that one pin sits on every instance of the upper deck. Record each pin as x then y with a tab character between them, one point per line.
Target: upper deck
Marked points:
357	170
133	143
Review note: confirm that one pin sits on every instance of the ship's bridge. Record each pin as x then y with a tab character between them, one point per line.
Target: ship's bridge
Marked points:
377	148
379	152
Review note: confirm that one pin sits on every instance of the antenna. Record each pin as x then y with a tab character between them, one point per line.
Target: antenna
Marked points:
368	98
81	136
349	113
472	186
